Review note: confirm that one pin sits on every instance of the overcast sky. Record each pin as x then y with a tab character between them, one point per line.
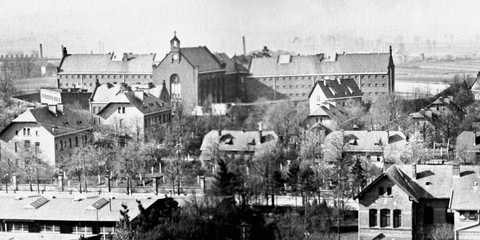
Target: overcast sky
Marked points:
148	25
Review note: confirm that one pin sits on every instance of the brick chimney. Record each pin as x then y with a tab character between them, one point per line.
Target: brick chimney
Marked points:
125	57
64	52
456	171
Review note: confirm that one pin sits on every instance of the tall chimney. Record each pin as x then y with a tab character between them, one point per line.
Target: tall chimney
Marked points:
41	51
414	171
64	52
245	48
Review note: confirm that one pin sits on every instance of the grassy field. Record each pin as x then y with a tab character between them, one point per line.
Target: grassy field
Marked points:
435	71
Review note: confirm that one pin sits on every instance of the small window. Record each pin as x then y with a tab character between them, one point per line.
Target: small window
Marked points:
61	145
380	191
37	146
372	217
389	191
123	109
397	218
16	147
36	133
16	132
384	218
28	131
70	142
119	110
24	132
76	141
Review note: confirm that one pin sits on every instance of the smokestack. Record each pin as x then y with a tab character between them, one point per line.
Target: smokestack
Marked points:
41	51
245	48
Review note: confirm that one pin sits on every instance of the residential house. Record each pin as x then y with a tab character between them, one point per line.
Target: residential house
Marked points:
129	112
410	201
327	99
236	144
292	77
36	216
377	147
48	133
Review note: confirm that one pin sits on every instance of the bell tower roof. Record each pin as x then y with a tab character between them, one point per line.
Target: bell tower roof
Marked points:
175	43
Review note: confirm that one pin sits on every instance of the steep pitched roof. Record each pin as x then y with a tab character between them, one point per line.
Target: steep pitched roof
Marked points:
237	141
339	88
315	65
231	67
202	58
103	63
330	111
435	182
58	123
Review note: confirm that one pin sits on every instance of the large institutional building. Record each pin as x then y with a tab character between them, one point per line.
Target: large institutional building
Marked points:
292	77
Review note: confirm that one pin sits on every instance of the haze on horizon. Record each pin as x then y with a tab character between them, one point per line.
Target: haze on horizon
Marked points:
307	26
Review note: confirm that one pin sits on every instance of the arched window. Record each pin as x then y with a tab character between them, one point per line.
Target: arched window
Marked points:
175	86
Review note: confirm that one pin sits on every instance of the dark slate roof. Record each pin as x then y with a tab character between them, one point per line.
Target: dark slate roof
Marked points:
149	104
202	58
339	88
63	208
314	65
231	67
103	63
237	141
330	111
242	60
55	123
448	102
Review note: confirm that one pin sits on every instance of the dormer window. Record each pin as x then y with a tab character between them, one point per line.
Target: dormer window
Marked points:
229	141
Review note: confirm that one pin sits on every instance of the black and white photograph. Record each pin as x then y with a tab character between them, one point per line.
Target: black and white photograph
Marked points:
239	120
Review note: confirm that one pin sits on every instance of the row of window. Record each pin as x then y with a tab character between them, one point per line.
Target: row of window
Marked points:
107	76
26	146
385	218
374	85
382	192
53	228
160	119
65	144
26	132
120	110
49	97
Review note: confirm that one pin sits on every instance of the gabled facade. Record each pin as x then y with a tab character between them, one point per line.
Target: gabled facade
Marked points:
378	147
234	144
128	112
410	201
48	133
196	76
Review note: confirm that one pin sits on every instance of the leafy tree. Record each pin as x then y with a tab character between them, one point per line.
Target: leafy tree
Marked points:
123	228
416	150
